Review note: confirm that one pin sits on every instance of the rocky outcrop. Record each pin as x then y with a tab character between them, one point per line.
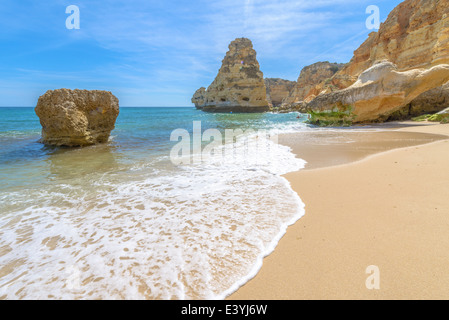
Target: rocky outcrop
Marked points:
429	102
379	91
76	117
335	83
415	35
295	107
307	85
277	90
199	98
239	85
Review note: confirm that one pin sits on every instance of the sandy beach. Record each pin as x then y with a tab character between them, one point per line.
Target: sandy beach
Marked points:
216	151
382	203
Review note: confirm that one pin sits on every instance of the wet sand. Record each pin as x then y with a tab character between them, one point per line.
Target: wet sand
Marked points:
376	198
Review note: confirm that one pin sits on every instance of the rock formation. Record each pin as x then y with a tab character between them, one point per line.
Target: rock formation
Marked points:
335	83
76	117
429	102
199	98
414	37
277	90
239	85
310	78
379	91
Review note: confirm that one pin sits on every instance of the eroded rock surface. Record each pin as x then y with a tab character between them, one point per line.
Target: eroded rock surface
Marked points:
239	85
77	117
308	84
380	91
277	90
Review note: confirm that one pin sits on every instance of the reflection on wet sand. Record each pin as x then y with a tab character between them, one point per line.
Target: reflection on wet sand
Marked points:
329	148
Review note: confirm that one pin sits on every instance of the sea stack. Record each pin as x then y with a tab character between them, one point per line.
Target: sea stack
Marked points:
76	118
239	86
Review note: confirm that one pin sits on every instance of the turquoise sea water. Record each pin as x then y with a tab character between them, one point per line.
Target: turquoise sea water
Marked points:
121	221
140	133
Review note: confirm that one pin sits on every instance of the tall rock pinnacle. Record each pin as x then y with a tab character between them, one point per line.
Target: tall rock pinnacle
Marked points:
239	85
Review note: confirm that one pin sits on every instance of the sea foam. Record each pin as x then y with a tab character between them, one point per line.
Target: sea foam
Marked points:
149	231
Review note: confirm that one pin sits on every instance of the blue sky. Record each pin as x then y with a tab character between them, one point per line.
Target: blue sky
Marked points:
157	53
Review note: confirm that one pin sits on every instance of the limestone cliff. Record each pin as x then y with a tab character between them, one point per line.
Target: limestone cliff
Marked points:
277	90
414	37
308	81
239	85
429	102
76	117
199	98
379	91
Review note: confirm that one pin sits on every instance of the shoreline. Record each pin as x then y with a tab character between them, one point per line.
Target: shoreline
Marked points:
335	147
325	254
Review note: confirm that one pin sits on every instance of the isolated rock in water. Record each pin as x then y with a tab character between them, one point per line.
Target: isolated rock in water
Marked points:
77	117
378	92
239	85
277	90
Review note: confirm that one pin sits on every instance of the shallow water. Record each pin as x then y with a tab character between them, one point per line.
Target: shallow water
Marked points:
121	221
337	147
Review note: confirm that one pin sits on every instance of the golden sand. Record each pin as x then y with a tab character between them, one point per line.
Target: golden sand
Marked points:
389	209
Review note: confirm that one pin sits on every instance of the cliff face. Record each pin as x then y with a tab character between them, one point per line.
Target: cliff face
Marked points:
199	98
429	102
277	90
239	85
415	38
379	91
415	35
307	86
